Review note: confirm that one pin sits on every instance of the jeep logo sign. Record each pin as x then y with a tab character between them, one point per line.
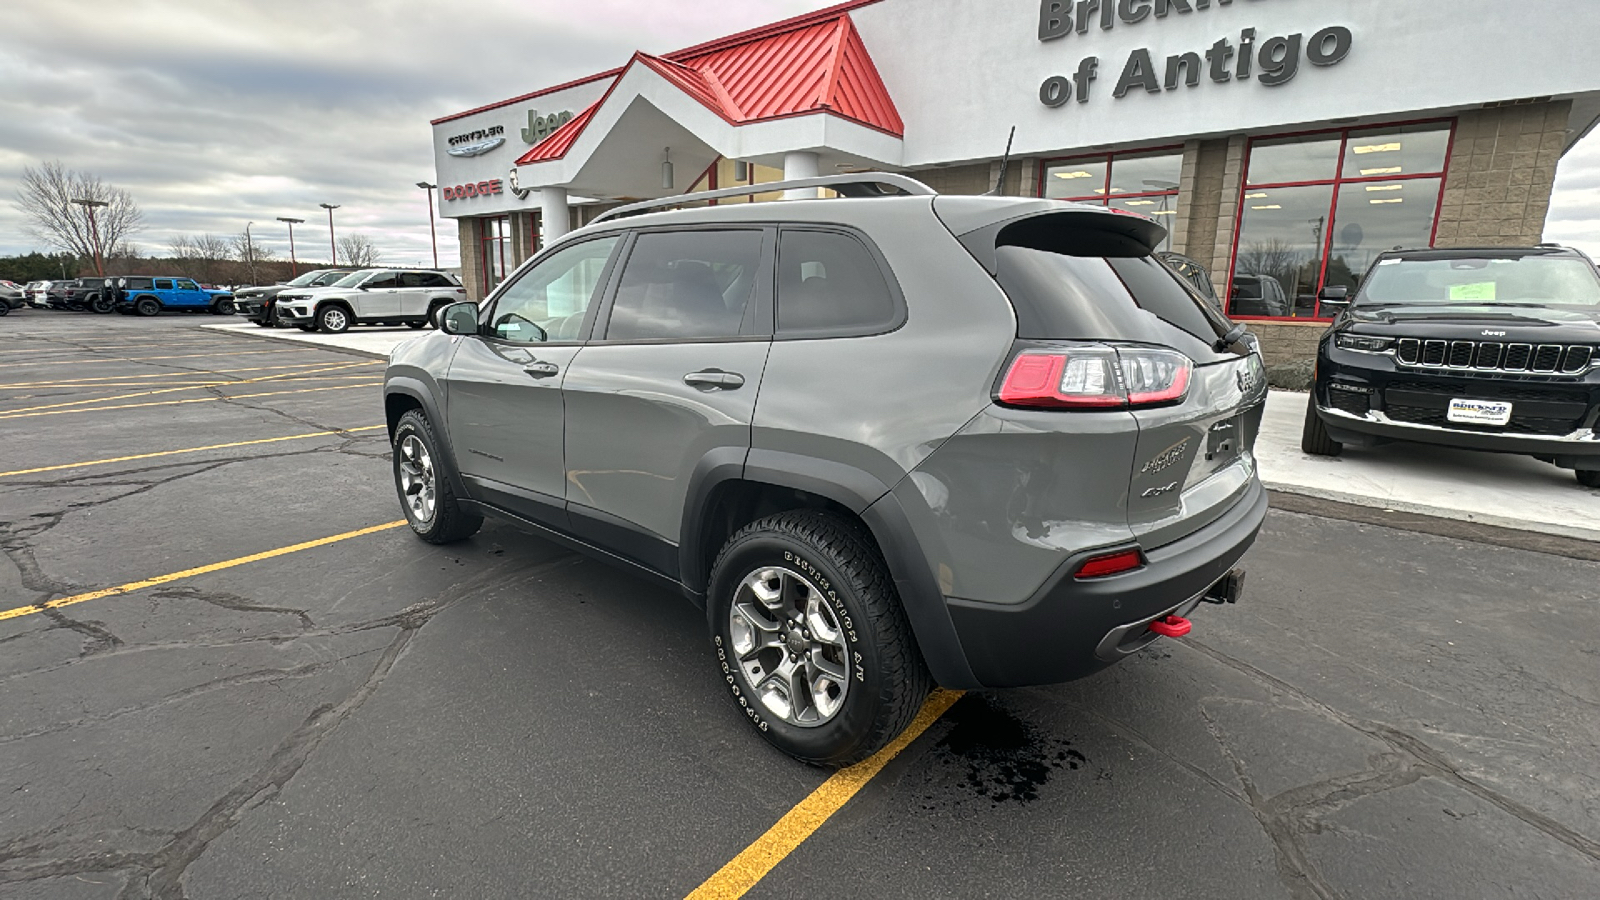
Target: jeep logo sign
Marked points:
541	127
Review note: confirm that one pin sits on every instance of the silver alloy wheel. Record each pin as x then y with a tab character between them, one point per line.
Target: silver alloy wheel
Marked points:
335	319
417	479
787	641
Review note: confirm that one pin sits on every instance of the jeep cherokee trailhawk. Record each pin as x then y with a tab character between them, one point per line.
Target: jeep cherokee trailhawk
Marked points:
886	441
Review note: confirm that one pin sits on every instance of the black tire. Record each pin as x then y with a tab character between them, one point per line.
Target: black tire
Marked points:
433	312
887	680
223	307
101	304
1314	437
449	522
1589	478
5	308
147	306
415	324
333	319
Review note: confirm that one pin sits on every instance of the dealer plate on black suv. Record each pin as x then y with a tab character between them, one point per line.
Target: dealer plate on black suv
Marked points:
1479	412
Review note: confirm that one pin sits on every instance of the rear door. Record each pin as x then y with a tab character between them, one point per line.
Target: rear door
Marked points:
378	297
504	403
669	383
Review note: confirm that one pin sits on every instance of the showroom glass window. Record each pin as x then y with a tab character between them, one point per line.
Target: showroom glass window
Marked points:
495	243
1145	182
1318	209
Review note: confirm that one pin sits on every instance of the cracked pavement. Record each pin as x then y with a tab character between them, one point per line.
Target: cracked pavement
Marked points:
1387	713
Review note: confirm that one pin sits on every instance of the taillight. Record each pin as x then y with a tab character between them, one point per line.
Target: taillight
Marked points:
1096	377
1110	564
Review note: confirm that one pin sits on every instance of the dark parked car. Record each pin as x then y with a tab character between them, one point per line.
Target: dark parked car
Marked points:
1258	295
1492	349
98	294
884	441
12	296
256	303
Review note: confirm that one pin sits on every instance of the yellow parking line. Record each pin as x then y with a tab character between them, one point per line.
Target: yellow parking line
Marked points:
190	573
138	456
107	359
746	870
59	412
76	382
169	390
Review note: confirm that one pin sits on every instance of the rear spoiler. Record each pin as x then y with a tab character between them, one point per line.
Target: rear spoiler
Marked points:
982	224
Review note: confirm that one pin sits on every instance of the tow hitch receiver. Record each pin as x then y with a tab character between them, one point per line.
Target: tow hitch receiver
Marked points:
1227	589
1172	626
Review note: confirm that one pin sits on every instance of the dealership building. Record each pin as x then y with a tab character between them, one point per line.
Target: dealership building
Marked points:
1283	143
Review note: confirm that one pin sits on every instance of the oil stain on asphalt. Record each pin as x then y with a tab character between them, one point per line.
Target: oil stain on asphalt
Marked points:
1007	760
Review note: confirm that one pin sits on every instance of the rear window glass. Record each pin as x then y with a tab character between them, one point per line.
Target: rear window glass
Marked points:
828	283
1127	298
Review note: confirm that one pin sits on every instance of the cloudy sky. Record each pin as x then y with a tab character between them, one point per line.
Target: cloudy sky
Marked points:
213	113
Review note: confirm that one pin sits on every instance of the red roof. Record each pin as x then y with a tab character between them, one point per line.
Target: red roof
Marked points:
810	67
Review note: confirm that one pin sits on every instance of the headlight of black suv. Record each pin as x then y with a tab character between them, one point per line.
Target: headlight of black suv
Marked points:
1363	344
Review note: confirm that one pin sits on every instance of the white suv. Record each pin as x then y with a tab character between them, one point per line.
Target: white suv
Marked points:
371	297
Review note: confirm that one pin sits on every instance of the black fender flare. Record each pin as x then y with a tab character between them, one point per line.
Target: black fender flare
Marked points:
421	392
869	498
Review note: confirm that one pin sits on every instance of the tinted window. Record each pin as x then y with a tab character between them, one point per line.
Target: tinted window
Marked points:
549	301
163	284
384	280
142	284
1129	298
686	285
413	279
433	279
829	282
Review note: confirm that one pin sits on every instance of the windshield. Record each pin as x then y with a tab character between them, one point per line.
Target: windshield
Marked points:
1485	281
302	280
327	278
351	280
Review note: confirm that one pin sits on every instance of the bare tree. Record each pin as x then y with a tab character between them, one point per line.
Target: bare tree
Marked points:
1268	257
45	199
358	250
206	257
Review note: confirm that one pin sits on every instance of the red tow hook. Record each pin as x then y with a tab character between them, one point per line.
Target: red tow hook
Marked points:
1172	626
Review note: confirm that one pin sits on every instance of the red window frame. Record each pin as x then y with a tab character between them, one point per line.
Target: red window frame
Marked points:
1337	181
484	240
1110	159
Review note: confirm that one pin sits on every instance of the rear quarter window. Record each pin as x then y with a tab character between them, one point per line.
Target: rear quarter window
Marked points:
830	284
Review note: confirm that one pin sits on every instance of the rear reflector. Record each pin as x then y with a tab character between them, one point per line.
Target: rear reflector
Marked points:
1096	377
1110	564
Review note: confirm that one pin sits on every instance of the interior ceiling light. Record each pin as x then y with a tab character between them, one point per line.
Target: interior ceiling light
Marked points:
1391	170
1275	206
1141	203
1079	174
1260	196
1165	212
1375	188
1378	148
1381	202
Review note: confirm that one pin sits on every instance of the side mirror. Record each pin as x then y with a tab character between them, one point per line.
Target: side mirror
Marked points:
1336	297
459	318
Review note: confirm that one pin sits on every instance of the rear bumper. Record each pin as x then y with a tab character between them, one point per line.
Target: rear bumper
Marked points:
1073	628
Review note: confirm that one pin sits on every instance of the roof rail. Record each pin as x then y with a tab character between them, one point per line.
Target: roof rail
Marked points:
864	184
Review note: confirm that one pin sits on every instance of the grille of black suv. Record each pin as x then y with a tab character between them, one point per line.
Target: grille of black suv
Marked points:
1554	359
1533	411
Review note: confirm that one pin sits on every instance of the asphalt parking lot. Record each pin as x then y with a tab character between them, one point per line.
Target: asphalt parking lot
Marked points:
231	672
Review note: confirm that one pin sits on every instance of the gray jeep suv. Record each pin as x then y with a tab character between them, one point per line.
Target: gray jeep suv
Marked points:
885	441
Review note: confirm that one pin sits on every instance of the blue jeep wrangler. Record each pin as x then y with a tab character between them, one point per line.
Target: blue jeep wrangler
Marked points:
149	296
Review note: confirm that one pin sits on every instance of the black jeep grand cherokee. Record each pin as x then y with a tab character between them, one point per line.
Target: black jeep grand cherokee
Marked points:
1493	350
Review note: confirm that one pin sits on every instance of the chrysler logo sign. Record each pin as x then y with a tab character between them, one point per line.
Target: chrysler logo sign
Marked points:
477	148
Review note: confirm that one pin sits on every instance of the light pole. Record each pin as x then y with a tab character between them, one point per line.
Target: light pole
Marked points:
94	231
250	252
294	267
433	232
332	251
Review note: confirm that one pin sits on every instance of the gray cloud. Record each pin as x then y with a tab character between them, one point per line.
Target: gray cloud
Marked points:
213	113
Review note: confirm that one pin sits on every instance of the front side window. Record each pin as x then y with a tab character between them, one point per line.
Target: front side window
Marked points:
686	285
829	283
550	300
185	284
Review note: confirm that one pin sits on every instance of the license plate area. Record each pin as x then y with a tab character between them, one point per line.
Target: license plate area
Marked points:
1479	412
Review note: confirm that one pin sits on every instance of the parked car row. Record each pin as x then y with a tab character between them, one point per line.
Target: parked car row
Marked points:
132	294
362	297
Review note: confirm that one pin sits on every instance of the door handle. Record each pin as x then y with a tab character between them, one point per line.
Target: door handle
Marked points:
542	369
714	380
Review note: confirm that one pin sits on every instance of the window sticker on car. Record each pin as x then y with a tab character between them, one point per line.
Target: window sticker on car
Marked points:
1390	262
1483	290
